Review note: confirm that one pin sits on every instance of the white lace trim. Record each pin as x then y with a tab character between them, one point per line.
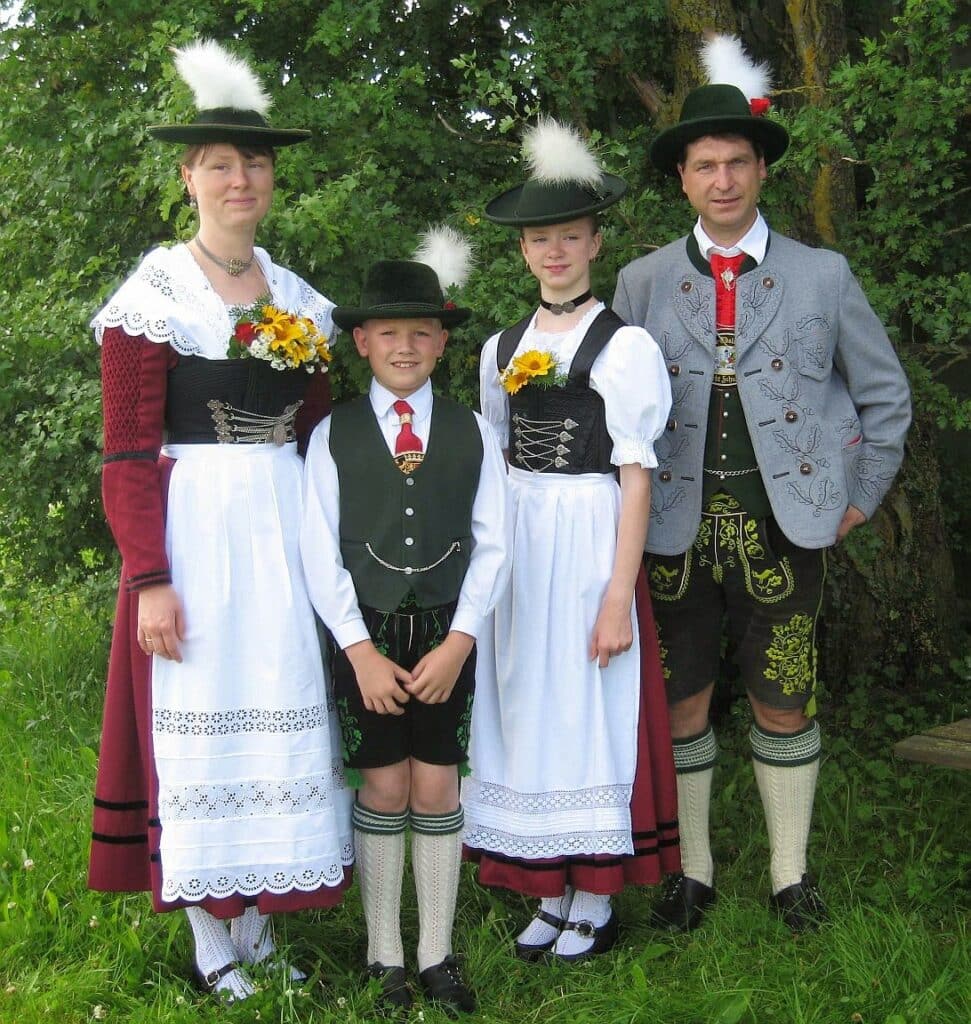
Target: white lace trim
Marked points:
490	794
253	883
481	837
171	721
169	300
252	798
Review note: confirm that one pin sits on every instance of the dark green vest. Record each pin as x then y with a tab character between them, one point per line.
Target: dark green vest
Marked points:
728	444
406	533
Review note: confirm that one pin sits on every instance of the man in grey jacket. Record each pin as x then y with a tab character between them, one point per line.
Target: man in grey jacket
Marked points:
788	424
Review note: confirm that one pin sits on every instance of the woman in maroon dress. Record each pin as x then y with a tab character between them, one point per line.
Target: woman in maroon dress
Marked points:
219	782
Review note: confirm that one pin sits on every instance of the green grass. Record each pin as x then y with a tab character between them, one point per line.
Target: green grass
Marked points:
890	845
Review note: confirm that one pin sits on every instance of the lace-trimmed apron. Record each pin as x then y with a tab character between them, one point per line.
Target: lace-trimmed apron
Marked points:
251	795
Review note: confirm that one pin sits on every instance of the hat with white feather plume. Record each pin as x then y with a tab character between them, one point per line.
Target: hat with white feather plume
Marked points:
415	288
565	181
734	102
231	103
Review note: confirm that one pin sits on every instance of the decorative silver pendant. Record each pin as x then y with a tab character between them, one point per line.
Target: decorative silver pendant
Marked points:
728	279
559	308
279	434
235	266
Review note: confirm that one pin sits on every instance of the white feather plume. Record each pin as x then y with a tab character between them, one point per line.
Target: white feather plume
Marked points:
556	153
218	79
726	63
448	253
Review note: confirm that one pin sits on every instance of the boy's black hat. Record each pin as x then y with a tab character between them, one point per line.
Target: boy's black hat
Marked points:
400	289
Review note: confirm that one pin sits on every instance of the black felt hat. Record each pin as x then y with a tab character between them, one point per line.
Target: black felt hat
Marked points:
400	290
566	182
717	110
230	101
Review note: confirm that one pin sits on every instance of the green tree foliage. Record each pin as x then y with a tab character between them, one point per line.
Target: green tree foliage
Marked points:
416	108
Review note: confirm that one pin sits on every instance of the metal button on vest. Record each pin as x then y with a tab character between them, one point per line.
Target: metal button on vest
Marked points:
409	541
672	424
805	468
791	416
767	282
686	286
674	369
409	482
776	363
665	476
409	511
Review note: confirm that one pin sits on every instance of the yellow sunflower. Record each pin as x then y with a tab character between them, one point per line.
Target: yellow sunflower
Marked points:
534	364
513	382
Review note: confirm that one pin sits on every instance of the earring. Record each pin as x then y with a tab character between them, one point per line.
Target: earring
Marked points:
193	202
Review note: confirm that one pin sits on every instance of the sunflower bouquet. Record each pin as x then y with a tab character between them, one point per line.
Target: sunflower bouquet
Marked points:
533	367
285	341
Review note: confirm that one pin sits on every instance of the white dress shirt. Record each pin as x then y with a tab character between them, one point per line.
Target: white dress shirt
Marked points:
753	243
329	583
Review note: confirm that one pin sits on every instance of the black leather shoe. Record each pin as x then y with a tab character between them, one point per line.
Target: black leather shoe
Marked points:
800	906
682	904
395	993
532	952
442	983
604	936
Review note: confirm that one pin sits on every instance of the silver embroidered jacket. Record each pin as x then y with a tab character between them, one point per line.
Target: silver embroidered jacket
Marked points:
825	399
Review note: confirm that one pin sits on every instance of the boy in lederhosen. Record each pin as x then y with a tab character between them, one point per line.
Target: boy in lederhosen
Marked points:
404	546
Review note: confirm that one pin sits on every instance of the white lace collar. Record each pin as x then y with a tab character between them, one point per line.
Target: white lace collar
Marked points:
169	300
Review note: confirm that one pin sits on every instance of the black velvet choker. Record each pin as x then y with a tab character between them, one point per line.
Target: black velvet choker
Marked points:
570	306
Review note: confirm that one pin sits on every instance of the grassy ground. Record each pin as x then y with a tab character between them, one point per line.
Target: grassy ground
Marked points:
890	845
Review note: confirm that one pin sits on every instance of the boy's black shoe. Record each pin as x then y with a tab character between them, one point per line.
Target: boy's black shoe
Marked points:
800	906
682	905
442	983
395	993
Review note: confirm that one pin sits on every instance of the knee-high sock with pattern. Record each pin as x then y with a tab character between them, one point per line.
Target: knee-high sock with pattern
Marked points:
380	845
786	769
436	858
694	762
214	950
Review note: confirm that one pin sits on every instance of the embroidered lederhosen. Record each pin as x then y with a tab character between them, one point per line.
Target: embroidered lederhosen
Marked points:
561	429
740	561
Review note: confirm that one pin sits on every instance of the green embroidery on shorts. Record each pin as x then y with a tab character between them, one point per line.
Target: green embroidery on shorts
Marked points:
662	653
669	584
380	639
753	547
438	633
790	655
351	736
464	730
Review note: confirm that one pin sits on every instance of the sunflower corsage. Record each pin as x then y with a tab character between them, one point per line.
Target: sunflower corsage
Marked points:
533	367
282	339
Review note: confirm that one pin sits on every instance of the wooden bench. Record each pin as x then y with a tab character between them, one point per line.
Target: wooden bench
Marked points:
947	745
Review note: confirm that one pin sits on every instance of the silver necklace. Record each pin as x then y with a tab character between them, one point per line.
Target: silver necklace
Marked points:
234	266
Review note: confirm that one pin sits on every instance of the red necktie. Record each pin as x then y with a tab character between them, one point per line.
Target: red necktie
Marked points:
406	441
725	269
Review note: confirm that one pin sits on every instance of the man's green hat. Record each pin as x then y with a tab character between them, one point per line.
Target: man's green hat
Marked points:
566	182
230	101
734	103
414	289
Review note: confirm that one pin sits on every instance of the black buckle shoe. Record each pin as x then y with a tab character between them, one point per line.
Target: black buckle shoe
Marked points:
604	936
442	983
395	993
209	982
534	951
800	906
682	904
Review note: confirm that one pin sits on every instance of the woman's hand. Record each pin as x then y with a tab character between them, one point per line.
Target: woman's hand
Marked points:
612	632
161	621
